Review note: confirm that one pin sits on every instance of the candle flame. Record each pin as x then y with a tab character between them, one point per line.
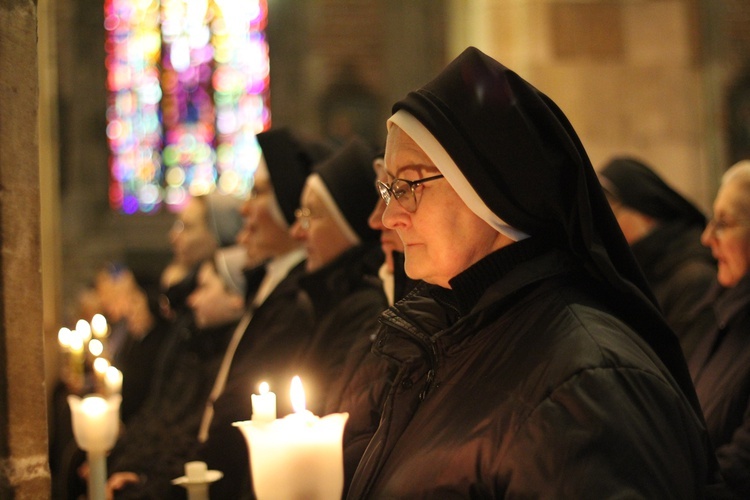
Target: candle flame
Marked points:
96	347
101	365
76	341
83	327
64	337
298	395
113	375
99	326
264	388
94	405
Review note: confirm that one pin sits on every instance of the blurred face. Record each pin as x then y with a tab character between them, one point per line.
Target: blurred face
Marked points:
191	239
728	234
263	236
442	237
633	224
389	240
212	303
322	237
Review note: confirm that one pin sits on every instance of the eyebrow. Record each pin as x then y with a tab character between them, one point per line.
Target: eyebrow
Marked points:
420	168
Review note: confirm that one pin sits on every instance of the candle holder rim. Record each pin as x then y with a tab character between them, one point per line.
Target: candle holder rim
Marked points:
211	477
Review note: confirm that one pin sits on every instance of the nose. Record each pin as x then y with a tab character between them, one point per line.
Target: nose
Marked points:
394	215
297	232
708	235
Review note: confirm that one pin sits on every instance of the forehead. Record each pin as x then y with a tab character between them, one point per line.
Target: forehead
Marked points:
403	154
310	198
732	199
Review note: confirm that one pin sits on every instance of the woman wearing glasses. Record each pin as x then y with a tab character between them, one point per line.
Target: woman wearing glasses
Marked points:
720	364
343	257
532	362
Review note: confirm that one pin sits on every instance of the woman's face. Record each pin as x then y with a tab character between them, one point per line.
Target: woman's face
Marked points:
191	238
728	234
262	235
321	235
212	303
443	237
389	240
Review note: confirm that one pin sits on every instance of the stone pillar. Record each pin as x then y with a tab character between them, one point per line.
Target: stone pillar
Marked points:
24	472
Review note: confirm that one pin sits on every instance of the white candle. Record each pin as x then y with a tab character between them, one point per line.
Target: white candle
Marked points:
298	456
96	422
83	328
264	404
96	348
99	326
113	381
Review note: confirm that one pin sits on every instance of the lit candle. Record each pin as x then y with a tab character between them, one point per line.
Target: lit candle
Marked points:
96	422
100	369
264	404
112	381
76	360
298	456
96	348
99	326
84	328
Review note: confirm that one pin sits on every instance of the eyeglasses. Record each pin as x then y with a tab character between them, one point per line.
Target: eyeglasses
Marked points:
303	216
403	191
718	226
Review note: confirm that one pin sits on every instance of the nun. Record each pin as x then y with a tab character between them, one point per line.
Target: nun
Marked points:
663	229
531	361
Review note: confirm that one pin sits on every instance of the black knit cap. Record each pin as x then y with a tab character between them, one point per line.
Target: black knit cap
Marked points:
289	159
525	161
636	185
350	179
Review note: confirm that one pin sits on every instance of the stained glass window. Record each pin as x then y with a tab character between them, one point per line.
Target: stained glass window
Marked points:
188	88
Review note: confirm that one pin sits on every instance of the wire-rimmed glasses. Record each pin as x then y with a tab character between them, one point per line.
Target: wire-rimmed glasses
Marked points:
403	191
718	226
303	216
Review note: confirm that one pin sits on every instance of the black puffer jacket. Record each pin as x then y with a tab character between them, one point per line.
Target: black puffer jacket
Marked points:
680	271
347	298
538	390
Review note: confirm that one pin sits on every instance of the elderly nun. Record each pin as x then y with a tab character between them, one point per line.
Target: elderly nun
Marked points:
532	360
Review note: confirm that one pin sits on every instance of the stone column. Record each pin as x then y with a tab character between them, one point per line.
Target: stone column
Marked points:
24	473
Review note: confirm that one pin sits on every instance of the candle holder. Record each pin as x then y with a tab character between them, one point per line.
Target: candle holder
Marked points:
196	480
298	456
96	423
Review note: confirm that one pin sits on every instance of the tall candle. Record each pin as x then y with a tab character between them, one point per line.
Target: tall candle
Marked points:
298	456
264	404
96	423
112	381
99	326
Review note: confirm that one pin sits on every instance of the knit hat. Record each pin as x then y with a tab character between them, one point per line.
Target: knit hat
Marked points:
524	161
636	185
289	160
345	182
224	218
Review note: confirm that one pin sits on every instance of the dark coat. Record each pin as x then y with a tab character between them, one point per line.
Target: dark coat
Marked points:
347	298
720	367
279	330
680	271
363	385
538	390
161	436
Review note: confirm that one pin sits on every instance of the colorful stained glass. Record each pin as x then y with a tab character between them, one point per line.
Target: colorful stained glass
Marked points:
188	91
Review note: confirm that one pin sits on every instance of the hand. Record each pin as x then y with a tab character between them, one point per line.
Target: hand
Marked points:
119	480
